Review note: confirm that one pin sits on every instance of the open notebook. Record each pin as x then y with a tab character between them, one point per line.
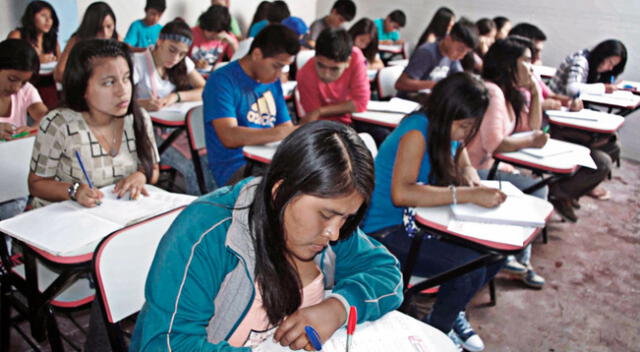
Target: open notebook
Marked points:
61	227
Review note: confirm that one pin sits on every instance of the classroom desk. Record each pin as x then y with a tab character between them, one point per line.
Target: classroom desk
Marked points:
545	72
396	49
172	117
47	68
54	277
400	62
600	122
394	331
631	86
621	102
436	221
386	119
260	153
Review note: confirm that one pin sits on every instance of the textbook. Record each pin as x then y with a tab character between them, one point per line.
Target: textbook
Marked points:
64	226
396	105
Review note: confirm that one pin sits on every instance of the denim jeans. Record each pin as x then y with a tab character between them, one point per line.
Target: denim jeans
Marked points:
10	209
172	157
438	256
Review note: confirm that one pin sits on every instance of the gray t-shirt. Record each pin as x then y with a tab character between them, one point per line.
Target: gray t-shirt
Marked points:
428	64
318	26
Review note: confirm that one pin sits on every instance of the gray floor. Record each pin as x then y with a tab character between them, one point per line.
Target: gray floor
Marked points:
591	301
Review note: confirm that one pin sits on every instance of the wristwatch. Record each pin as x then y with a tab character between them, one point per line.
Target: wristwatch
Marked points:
73	190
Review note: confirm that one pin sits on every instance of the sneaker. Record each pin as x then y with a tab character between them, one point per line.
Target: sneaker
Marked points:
470	340
564	209
532	279
456	340
512	266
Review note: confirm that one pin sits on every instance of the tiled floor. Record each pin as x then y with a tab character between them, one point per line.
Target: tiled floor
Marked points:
591	301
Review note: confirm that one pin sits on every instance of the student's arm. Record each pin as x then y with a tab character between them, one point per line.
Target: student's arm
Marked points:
37	111
406	83
197	83
376	64
406	192
58	73
421	62
14	34
577	78
535	105
233	136
470	175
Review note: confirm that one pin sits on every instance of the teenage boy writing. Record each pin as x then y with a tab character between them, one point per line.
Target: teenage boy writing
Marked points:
342	11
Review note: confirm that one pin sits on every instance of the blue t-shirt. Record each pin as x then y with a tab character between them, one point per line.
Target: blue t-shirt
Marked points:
382	212
257	27
230	92
142	36
382	35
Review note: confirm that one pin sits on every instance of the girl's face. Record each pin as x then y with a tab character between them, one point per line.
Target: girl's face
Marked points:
523	75
107	28
109	87
362	41
460	129
609	63
311	222
171	52
43	20
12	80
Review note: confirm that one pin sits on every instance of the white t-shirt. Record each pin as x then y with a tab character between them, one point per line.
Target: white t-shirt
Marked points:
20	103
142	76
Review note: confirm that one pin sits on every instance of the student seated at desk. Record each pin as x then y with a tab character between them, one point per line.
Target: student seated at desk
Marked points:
389	27
432	62
514	105
235	27
164	75
422	163
439	26
365	37
18	65
261	13
260	254
113	137
503	26
472	62
342	11
276	13
212	39
244	104
98	21
144	32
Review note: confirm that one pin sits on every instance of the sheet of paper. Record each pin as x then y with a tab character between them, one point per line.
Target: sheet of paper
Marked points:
505	186
499	233
520	211
394	105
550	149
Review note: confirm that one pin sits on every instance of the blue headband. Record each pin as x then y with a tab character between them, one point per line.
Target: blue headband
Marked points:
176	37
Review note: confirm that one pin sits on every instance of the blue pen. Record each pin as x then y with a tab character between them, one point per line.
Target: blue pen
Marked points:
86	175
613	79
313	336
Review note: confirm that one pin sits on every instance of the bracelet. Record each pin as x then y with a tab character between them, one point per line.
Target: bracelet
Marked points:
73	191
454	200
179	97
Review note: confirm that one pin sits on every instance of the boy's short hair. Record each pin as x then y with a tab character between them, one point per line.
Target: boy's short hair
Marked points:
334	44
466	32
215	19
345	8
528	30
159	5
276	39
398	17
278	11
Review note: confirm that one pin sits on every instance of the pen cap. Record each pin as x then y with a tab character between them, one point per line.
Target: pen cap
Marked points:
353	320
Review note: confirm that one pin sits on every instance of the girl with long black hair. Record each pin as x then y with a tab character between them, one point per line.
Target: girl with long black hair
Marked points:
440	25
364	34
259	254
40	29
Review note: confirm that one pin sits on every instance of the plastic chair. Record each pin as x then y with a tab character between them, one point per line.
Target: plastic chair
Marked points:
243	49
197	143
387	78
302	58
370	143
121	264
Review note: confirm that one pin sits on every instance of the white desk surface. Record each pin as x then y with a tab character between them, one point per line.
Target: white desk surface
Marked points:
387	119
604	123
400	62
630	85
439	218
391	48
262	153
371	74
544	71
175	114
15	157
395	331
561	163
618	99
47	68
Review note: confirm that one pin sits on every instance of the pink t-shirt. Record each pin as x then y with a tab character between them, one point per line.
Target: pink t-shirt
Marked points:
499	121
353	85
20	103
213	51
256	319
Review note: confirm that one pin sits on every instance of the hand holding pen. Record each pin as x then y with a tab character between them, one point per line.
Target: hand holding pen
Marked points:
86	194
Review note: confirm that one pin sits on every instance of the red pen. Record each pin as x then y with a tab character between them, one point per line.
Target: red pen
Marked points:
351	325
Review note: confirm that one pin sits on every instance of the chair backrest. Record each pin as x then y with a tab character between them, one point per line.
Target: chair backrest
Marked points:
121	263
243	49
195	128
369	142
296	101
15	157
304	56
387	78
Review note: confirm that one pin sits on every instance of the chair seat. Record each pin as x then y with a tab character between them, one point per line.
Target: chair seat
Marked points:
414	280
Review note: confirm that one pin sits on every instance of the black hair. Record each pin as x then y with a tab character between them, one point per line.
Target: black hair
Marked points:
528	30
439	24
29	32
276	39
178	73
500	66
366	26
215	19
465	31
278	11
485	26
605	49
398	17
77	73
17	54
92	21
459	96
159	5
500	21
334	44
261	12
345	8
323	159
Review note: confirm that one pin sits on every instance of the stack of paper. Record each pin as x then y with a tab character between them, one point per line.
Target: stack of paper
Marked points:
396	105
